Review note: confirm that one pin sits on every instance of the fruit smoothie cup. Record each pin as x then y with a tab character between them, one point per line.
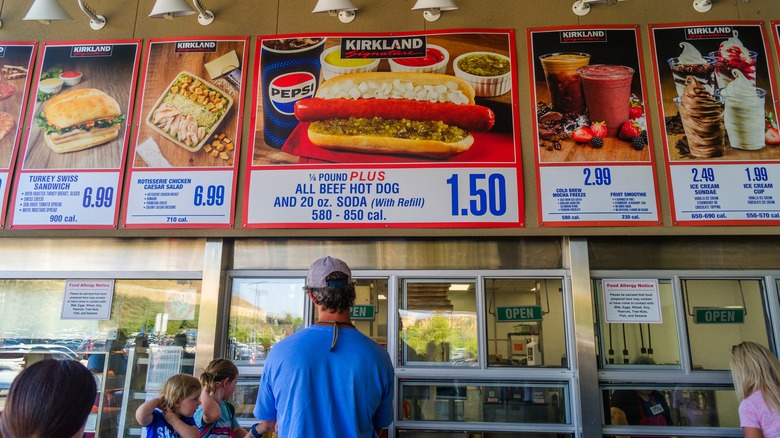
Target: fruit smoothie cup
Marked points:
607	93
563	82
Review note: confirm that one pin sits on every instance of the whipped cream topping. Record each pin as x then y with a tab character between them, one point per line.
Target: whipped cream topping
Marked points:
690	55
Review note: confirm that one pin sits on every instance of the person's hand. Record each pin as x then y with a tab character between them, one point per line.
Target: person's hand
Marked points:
170	416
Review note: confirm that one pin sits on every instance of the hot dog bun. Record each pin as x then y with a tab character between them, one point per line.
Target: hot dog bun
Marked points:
401	113
389	145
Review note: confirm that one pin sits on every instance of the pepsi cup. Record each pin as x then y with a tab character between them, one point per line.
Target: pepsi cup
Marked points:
290	71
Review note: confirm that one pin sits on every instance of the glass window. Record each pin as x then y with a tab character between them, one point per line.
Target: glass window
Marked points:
144	314
369	314
720	314
492	402
639	343
438	323
401	433
263	311
679	405
525	322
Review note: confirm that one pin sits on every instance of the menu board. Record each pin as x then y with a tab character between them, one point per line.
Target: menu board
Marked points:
395	130
184	169
593	152
16	59
74	155
720	126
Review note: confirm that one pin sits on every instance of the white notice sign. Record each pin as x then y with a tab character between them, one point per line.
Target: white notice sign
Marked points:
88	299
631	301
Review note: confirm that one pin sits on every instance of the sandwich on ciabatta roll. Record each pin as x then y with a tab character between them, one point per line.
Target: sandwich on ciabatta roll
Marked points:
79	119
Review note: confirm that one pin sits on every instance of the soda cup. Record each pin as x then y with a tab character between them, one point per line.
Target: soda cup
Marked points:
290	71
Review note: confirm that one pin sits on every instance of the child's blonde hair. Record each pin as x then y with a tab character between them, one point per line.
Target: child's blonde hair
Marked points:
216	372
177	388
755	368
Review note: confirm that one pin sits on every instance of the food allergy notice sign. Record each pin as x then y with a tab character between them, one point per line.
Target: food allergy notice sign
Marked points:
358	130
88	299
631	301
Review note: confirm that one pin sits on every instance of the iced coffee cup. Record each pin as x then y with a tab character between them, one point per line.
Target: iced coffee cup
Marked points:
563	82
701	114
744	113
692	63
607	91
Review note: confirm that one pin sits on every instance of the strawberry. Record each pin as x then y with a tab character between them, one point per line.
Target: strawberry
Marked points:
629	130
772	136
582	135
598	129
635	111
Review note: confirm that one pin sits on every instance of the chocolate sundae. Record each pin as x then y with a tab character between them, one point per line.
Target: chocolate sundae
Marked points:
691	63
702	117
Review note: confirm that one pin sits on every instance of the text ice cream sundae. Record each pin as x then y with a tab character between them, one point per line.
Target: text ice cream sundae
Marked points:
744	113
702	118
692	63
732	55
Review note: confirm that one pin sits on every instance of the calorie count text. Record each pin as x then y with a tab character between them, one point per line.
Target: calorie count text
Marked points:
354	195
704	182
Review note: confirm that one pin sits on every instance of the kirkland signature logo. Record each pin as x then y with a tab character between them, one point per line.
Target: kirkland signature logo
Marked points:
96	50
708	32
581	36
372	48
195	46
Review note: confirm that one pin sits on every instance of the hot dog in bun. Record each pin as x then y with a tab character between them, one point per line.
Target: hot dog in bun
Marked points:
424	114
79	119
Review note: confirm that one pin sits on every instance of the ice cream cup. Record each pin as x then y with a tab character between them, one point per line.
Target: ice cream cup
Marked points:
704	73
563	81
435	61
744	119
703	141
334	65
724	67
473	68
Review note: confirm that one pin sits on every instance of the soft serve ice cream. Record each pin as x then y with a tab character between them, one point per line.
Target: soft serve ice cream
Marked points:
744	113
702	117
732	55
692	63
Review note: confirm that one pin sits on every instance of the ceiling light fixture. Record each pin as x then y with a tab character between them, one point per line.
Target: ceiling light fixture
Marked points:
582	7
345	9
46	11
432	8
96	22
459	287
170	9
702	5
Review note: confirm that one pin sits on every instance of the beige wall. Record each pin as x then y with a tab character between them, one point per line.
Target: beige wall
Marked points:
129	19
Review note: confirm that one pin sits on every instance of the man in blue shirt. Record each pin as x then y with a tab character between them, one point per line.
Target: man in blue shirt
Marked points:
328	380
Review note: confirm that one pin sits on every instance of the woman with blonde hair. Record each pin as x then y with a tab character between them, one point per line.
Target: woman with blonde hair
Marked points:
756	374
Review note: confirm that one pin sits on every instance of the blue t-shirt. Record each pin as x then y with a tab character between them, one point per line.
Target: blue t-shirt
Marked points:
159	428
312	391
222	427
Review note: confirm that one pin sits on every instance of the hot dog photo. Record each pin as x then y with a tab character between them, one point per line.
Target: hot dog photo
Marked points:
434	98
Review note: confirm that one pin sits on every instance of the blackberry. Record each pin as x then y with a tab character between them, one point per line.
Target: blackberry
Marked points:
597	142
638	143
643	135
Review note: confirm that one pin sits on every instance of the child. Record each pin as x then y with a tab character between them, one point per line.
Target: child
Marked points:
756	374
170	415
216	415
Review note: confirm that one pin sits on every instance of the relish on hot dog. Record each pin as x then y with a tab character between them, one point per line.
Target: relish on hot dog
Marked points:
424	114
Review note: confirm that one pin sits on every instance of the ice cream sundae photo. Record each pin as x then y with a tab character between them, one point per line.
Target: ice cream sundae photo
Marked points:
732	55
701	113
692	63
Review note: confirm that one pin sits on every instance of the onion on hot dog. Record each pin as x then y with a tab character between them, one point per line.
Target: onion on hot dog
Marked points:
424	114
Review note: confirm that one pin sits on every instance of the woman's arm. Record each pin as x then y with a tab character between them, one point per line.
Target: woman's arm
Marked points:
183	429
752	432
210	405
144	412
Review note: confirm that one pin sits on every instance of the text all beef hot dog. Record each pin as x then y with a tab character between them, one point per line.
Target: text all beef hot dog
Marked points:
424	114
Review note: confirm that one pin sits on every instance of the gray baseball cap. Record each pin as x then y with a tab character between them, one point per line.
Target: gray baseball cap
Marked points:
323	267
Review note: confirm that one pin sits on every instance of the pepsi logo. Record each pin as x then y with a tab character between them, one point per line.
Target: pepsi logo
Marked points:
288	88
